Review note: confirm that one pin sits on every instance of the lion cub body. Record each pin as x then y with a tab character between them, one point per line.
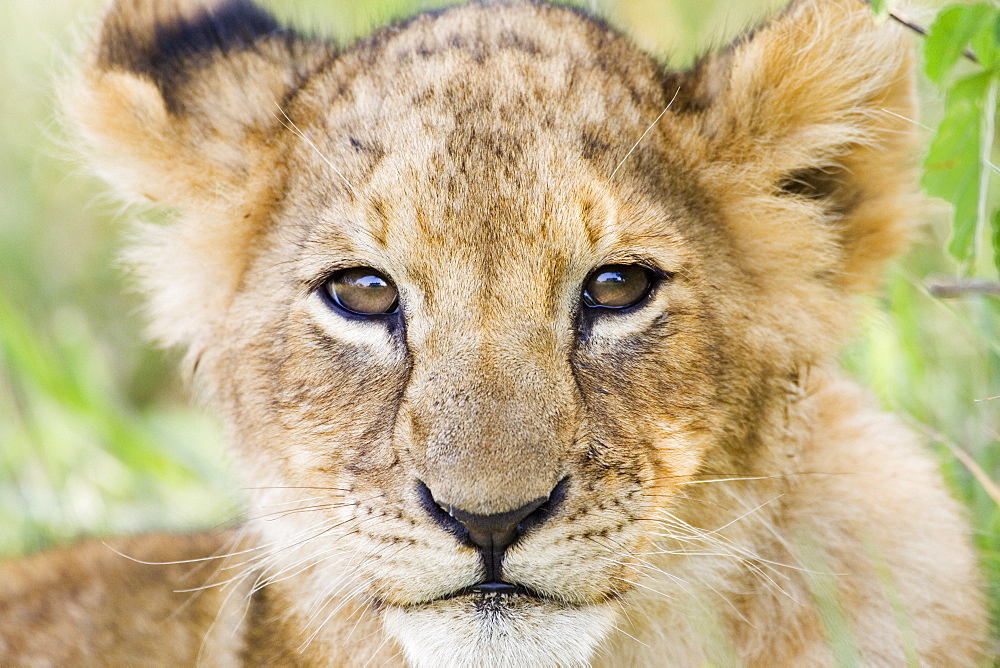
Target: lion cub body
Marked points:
498	470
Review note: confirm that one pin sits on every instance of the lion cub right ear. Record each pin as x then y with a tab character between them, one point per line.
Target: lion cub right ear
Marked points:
177	101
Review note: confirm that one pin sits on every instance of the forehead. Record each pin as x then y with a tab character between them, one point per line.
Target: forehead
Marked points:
485	136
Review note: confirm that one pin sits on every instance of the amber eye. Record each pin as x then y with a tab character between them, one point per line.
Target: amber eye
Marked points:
362	291
617	286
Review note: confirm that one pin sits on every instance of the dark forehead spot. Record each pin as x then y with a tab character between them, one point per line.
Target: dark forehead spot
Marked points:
595	143
379	218
510	39
590	224
478	150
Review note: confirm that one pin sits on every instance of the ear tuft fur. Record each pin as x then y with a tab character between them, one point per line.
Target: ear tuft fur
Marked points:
816	108
177	99
168	48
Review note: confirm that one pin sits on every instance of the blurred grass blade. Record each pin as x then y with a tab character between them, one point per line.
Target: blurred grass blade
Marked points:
996	239
976	470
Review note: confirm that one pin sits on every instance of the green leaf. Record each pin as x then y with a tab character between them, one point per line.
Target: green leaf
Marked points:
951	32
953	167
986	41
880	7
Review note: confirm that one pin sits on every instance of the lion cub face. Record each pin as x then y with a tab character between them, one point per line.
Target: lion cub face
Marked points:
480	295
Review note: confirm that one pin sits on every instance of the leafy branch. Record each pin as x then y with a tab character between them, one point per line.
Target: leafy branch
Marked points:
958	167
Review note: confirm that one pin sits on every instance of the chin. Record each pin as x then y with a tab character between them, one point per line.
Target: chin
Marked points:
498	630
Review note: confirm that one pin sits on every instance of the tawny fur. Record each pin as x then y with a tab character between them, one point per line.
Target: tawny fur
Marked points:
730	497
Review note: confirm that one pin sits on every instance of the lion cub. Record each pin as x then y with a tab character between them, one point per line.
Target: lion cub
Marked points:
524	347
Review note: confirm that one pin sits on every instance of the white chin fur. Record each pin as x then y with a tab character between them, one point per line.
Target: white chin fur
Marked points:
502	632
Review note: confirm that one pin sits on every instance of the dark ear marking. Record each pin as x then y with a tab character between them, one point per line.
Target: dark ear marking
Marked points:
829	184
173	45
235	25
814	183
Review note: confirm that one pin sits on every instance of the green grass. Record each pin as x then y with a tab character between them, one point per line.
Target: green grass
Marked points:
96	433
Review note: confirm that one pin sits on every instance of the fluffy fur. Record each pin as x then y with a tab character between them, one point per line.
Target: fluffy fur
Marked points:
720	492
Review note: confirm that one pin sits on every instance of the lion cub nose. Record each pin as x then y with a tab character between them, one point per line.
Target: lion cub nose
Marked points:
492	533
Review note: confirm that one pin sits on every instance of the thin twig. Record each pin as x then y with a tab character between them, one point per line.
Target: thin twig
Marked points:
957	289
920	30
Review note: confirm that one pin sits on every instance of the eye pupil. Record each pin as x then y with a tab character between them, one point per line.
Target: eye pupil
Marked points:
362	291
617	286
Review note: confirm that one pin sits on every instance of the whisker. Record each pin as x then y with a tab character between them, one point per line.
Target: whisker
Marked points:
327	489
377	649
293	128
676	92
215	621
626	633
328	594
312	636
391	657
254	563
180	561
281	514
702	482
647	587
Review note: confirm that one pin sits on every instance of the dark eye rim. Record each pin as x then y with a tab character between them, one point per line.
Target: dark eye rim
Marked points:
331	300
654	274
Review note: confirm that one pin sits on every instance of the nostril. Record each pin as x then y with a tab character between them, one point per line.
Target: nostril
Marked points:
440	513
546	510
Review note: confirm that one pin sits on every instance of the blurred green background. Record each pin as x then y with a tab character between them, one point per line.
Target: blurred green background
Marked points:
97	435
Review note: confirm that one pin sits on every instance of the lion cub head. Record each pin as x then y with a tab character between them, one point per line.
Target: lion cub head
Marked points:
478	295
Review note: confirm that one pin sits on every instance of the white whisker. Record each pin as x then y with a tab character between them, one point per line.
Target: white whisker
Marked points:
293	128
676	92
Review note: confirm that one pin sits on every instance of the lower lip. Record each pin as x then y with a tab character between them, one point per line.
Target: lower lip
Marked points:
496	590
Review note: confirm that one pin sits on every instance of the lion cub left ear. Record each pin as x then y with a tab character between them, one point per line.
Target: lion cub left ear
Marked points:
813	144
177	99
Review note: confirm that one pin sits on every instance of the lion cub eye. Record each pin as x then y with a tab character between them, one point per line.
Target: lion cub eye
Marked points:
617	286
361	291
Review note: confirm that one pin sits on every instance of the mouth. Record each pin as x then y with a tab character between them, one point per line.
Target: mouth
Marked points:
501	619
495	590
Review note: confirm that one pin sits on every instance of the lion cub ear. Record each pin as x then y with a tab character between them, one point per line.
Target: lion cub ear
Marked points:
810	124
176	99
